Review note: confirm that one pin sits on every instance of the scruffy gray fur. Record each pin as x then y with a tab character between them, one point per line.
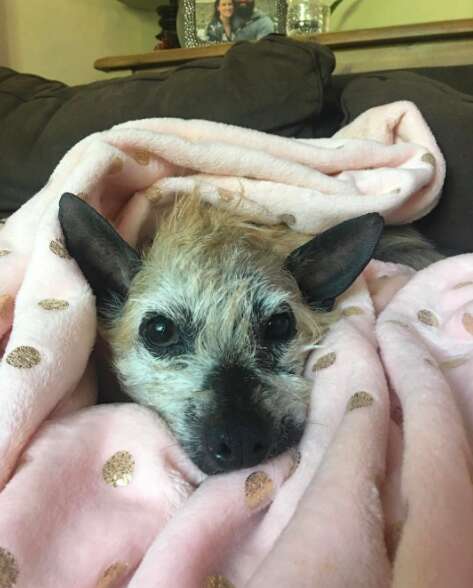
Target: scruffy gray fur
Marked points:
212	325
219	281
406	245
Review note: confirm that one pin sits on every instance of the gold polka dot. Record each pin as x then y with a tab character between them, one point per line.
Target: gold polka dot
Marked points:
454	362
428	318
4	252
218	582
112	574
225	195
360	400
116	165
428	158
153	194
118	470
6	305
23	357
53	304
8	569
258	488
324	362
467	321
288	219
462	285
396	191
59	249
141	156
352	311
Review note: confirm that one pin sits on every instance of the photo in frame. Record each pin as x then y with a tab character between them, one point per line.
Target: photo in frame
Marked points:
204	22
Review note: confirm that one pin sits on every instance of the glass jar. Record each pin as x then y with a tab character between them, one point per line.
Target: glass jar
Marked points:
306	17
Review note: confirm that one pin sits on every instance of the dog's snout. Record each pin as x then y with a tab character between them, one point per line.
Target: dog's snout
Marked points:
237	435
233	382
238	442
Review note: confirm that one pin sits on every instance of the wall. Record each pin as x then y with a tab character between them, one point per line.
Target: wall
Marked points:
60	39
360	14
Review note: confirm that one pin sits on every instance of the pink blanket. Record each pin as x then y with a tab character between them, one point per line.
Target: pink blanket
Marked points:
380	493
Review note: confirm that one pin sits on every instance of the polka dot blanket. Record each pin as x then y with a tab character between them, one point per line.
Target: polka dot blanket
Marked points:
379	492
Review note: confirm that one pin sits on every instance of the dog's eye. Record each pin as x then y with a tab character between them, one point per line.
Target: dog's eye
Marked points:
279	328
158	331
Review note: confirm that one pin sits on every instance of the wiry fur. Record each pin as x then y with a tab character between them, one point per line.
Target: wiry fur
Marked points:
406	245
219	278
208	270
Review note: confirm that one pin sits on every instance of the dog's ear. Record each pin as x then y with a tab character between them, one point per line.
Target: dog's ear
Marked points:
328	264
106	260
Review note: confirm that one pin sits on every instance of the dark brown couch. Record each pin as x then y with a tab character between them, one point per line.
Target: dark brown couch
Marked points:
277	85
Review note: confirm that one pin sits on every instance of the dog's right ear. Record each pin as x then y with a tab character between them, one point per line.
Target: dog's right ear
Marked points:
106	260
328	264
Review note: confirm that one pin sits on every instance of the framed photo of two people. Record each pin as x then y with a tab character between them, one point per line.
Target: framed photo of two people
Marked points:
226	21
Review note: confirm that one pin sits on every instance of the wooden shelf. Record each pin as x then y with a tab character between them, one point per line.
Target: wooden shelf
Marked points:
453	42
162	57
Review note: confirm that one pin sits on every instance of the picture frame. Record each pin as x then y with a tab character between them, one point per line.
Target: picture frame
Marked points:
198	26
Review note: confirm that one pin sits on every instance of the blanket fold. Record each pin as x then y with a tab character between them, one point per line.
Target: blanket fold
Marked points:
380	492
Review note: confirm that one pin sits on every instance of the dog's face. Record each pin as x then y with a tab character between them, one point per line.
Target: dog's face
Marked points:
213	335
212	326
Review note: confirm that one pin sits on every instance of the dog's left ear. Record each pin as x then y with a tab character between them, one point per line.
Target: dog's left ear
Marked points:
328	264
106	260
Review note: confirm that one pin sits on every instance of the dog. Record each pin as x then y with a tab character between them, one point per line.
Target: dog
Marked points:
212	324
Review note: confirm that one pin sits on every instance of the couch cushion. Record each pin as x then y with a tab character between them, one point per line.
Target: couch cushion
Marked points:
275	85
450	116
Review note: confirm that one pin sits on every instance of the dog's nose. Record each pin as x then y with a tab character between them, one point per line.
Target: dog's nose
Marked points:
238	442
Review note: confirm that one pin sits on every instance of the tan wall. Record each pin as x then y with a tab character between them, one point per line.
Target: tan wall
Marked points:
60	39
360	14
